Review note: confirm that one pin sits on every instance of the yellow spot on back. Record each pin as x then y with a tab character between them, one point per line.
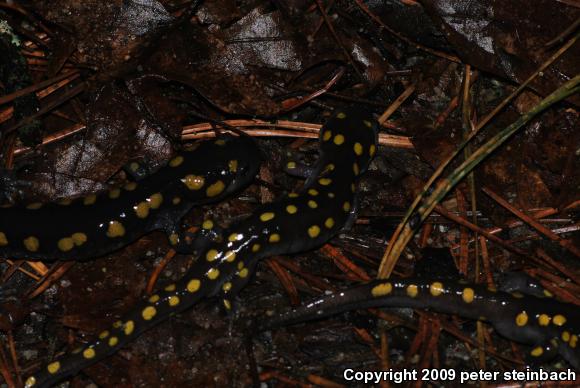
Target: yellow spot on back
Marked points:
89	199
53	367
573	341
31	243
292	195
329	167
240	265
235	237
215	189
291	209
176	161
537	352
173	238
213	273
211	255
566	336
338	139
346	206
314	231
468	294
544	320
130	186
548	294
355	168
329	223
382	290
114	193
233	165
193	182
522	319
34	206
207	224
255	248
79	238
341	115
3	239
227	286
173	301
372	150
113	341
65	202
193	285
559	320
104	334
117	324
89	353
134	166
129	327
176	200
230	256
243	273
154	298
313	192
266	216
352	187
274	238
367	123
65	244
142	209
115	229
330	195
170	287
325	181
148	313
155	200
312	204
358	148
326	135
436	288
220	142
412	290
291	165
227	304
30	382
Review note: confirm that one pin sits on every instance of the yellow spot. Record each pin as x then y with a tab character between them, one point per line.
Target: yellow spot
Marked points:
176	161
326	135
330	195
537	352
468	294
436	288
155	200
213	273
544	320
104	334
235	237
193	285
211	255
129	327
240	265
117	324
559	320
325	181
358	148
367	123
292	195
142	209
79	238
148	313
291	165
522	319
173	238
227	286
274	238
89	353
134	166
412	290
382	290
313	192
243	273
227	304
193	182
30	382
291	209
233	165
341	115
230	256
207	224
329	223
329	167
255	248
65	244
31	243
154	298
215	189
53	367
65	202
518	295
113	341
173	301
90	199
116	229
548	294
266	216
352	187
312	204
346	206
3	239
170	288
372	150
566	336
220	142
176	200
355	168
130	186
34	206
314	231
573	341
115	193
338	139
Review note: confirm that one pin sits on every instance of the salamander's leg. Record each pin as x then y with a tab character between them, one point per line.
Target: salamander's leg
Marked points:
11	187
139	170
351	215
523	283
541	354
293	167
192	243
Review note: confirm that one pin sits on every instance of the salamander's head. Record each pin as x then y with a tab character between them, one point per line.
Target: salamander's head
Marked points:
351	133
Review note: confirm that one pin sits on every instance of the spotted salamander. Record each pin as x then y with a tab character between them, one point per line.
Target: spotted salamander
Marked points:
298	222
99	224
549	326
